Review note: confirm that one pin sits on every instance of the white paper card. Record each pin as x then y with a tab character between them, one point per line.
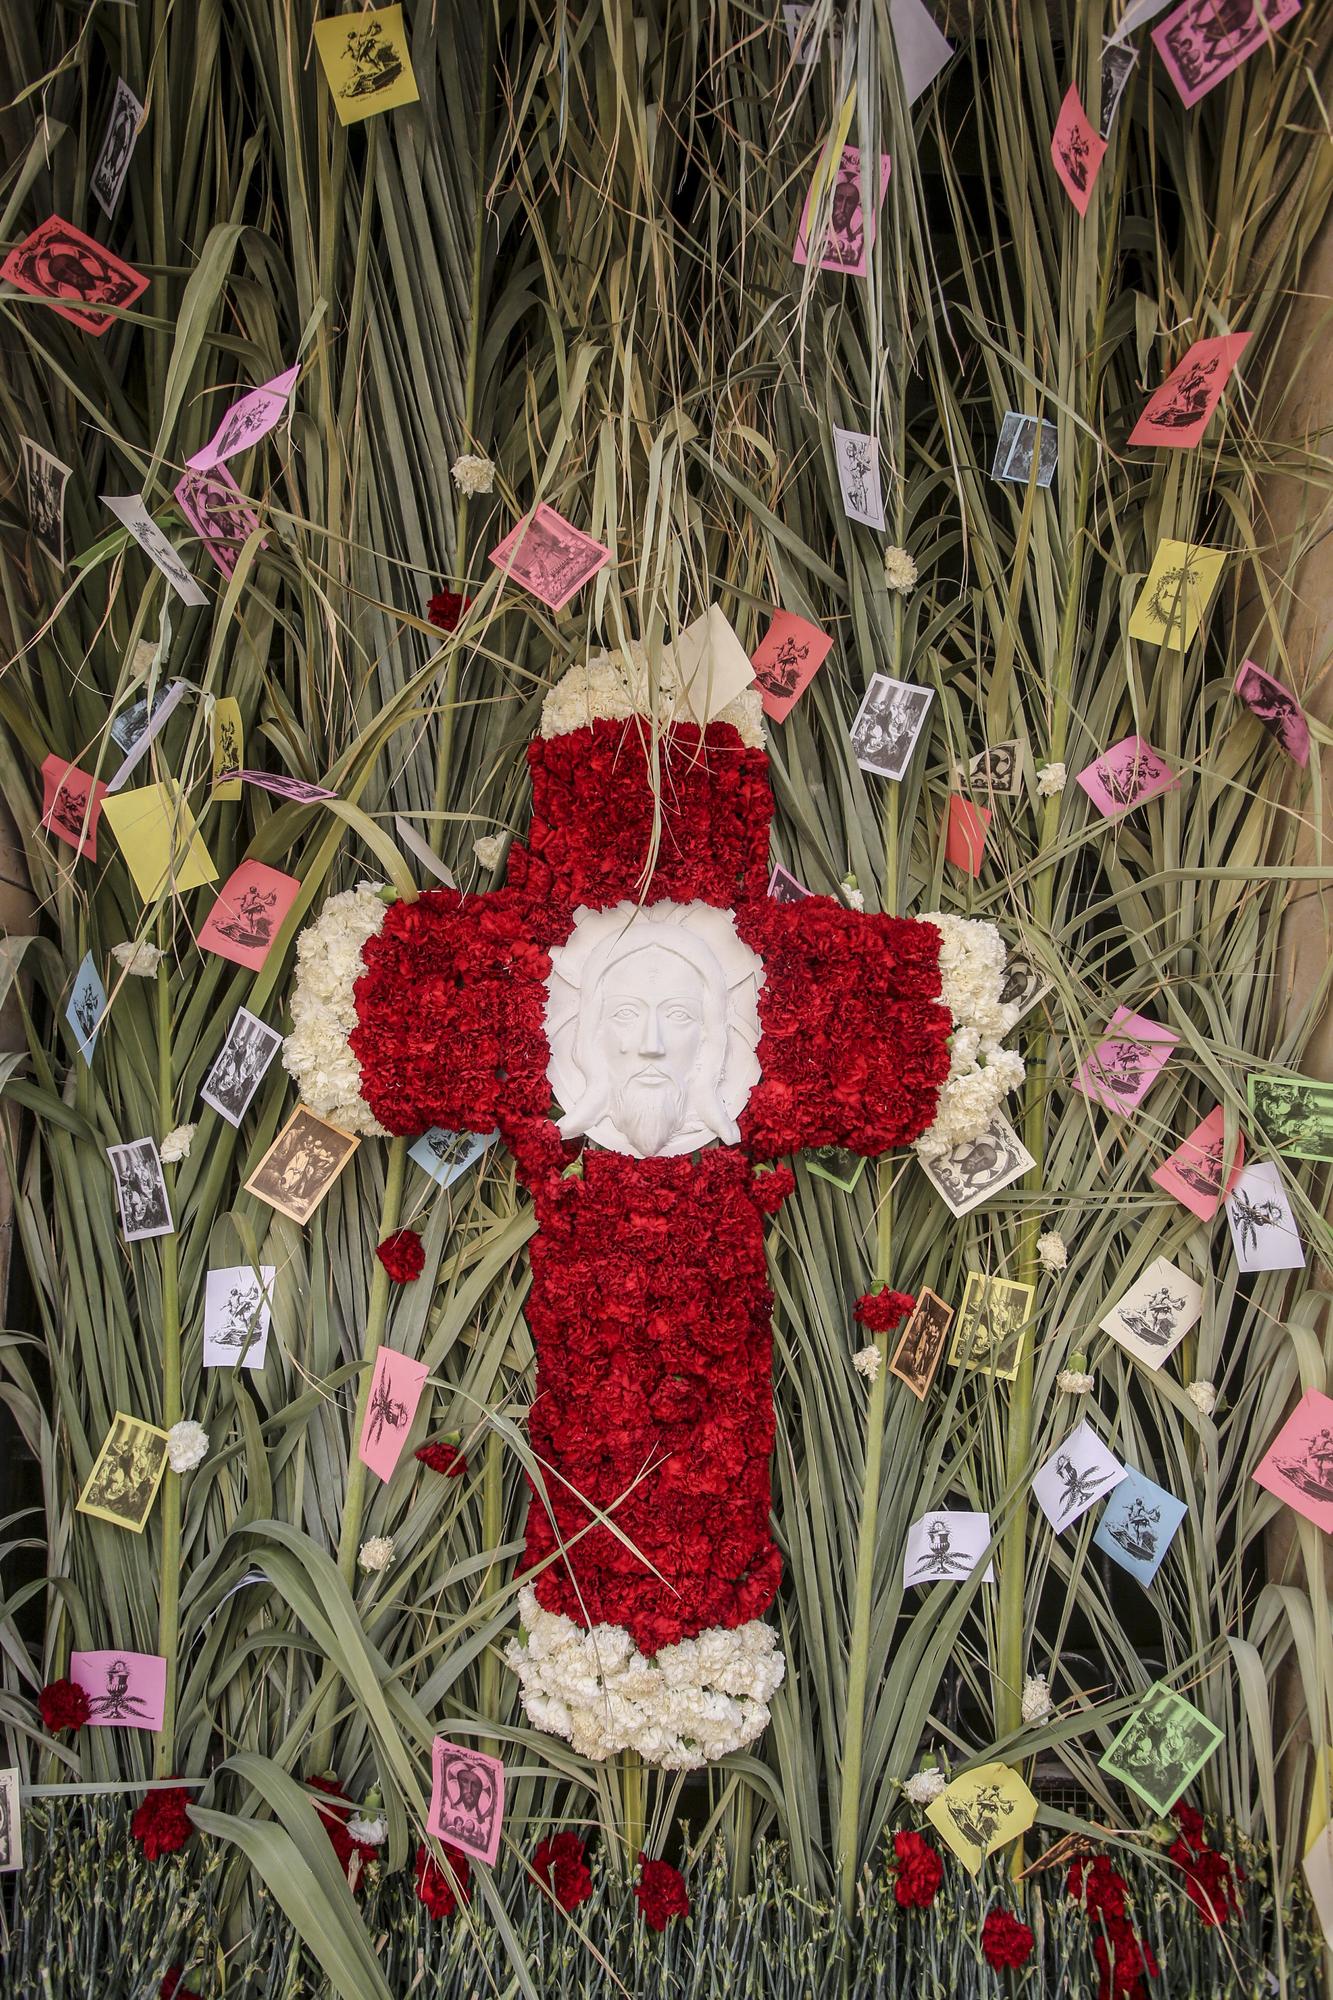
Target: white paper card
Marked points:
858	476
1080	1473
130	511
1156	1313
11	1822
946	1547
238	1305
1263	1228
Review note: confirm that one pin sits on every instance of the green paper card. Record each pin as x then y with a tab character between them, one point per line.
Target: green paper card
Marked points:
1296	1113
1162	1748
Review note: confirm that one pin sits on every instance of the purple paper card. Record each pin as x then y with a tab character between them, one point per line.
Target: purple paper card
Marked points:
124	1690
467	1799
849	231
1277	708
1205	40
395	1391
1127	1062
284	787
250	418
213	505
1127	775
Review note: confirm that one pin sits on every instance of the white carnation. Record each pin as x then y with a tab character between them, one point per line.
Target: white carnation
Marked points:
376	1553
472	474
142	959
868	1361
1203	1396
981	1072
611	687
1074	1382
187	1446
489	849
1052	1251
1051	780
177	1144
899	569
328	965
852	896
1037	1703
370	1832
924	1787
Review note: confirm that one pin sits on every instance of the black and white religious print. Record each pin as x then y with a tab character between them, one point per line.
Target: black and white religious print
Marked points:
113	161
858	477
240	1067
238	1308
1263	1229
302	1164
141	1190
1118	65
783	887
922	1342
979	1168
1022	985
45	478
945	1547
446	1156
1078	1473
1020	438
126	1474
11	1822
1156	1313
994	772
888	724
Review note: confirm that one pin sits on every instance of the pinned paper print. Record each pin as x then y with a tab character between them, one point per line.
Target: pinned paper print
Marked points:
395	1391
982	1811
141	1190
117	149
888	723
996	772
1156	1313
1295	1112
45	478
979	1167
1198	1173
213	505
1127	1062
87	1004
1118	65
921	1344
710	665
550	557
1298	1465
74	275
783	887
240	1067
1277	708
786	661
1077	1474
124	1690
857	456
250	418
238	1308
945	1548
921	48
11	1821
1263	1228
139	725
964	833
1021	440
244	922
846	231
1203	41
162	846
803	34
1179	411
1162	1748
302	1164
446	1156
228	739
467	1799
837	1165
1138	1525
1022	983
132	514
71	804
1127	775
366	62
299	790
1077	150
1176	592
126	1474
991	1323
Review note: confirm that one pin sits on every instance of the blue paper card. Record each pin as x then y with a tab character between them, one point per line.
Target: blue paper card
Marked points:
87	1004
446	1155
1138	1525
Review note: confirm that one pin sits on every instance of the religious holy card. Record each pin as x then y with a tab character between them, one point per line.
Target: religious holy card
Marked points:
367	62
1199	1173
213	505
1298	1465
786	661
238	1308
845	231
446	1156
126	1474
141	1190
1022	441
991	1323
117	150
161	844
280	785
1203	41
710	665
1176	592
921	1343
72	274
857	456
1276	708
1295	1112
251	417
1156	1313
888	725
227	736
467	1799
137	727
964	832
395	1391
981	1812
1138	1525
549	556
302	1164
1263	1229
1127	775
45	478
946	1548
837	1165
1178	412
783	887
71	804
124	1690
996	772
1022	984
1077	150
240	1065
11	1821
1127	1061
921	48
1077	1474
1162	1748
86	1006
130	510
244	922
979	1168
1118	66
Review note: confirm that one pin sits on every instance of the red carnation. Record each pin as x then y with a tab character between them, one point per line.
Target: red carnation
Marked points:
560	1867
772	1188
445	609
171	1988
1005	1941
1210	1882
883	1310
661	1894
434	1887
919	1871
441	1457
1124	1963
335	1818
64	1705
161	1825
402	1256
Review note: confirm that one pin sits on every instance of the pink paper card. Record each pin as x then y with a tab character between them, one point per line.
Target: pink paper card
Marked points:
211	502
1298	1465
786	660
467	1799
1196	1173
283	787
1178	413
395	1391
549	556
124	1690
1077	150
71	804
250	418
248	914
849	233
1204	40
965	833
1277	708
1127	775
1127	1062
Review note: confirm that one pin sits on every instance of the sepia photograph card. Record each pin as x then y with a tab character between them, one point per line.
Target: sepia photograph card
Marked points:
302	1164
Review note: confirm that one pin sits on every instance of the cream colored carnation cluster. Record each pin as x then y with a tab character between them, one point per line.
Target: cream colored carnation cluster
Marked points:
981	1072
693	1703
611	687
328	965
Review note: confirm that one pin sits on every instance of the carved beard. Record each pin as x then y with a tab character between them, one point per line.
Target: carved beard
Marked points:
647	1114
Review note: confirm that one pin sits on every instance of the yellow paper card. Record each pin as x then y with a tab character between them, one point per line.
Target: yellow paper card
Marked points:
1176	593
159	839
366	61
228	748
126	1474
981	1811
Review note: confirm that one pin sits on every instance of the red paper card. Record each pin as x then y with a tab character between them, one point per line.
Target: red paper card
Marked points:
1077	150
248	914
549	556
71	804
395	1392
1196	1173
61	265
786	660
1178	414
965	834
